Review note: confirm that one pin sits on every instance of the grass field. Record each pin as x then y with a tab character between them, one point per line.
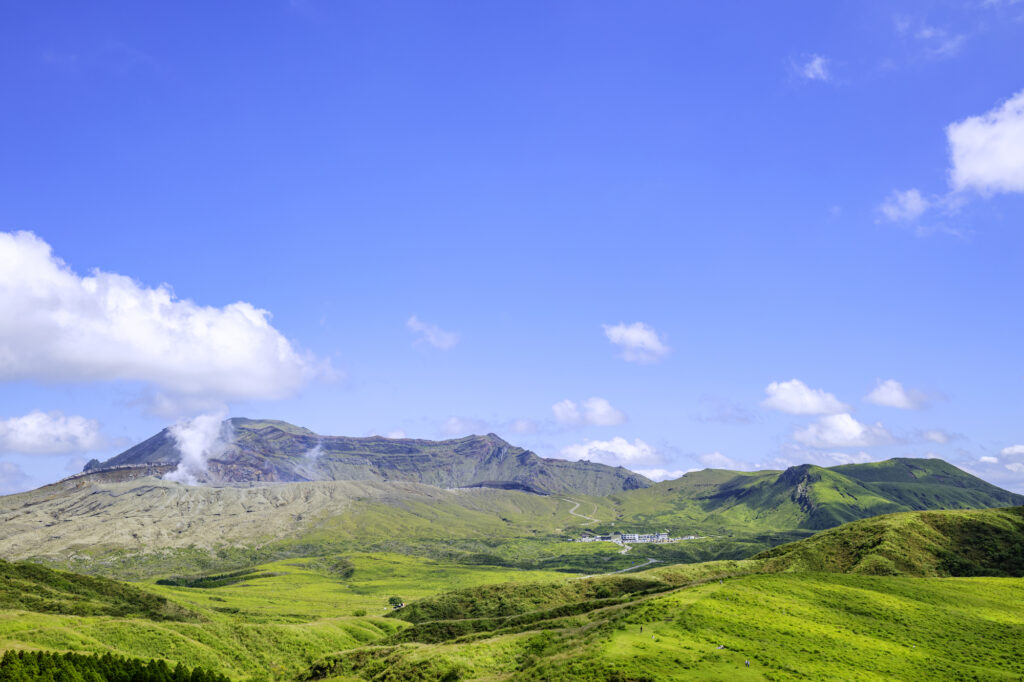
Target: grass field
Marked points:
271	627
789	626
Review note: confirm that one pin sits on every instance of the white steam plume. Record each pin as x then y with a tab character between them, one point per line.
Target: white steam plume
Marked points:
315	452
199	439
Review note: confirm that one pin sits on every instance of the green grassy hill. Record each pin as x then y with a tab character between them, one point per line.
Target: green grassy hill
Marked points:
935	543
789	626
31	587
815	609
802	611
805	497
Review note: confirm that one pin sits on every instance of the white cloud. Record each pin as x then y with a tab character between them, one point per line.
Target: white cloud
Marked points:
815	68
1017	467
49	433
989	460
906	205
842	431
567	412
58	326
890	393
638	342
662	474
795	397
987	151
615	452
432	334
937	435
716	460
832	458
595	412
396	434
1013	450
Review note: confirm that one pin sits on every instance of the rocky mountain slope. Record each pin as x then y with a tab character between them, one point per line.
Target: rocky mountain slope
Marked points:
276	451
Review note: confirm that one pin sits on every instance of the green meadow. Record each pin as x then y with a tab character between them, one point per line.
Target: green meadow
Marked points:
270	627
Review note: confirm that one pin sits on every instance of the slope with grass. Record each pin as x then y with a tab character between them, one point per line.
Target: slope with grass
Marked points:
804	498
935	543
267	627
705	621
31	587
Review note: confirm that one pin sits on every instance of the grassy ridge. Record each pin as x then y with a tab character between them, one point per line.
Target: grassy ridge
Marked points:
790	626
668	623
941	543
30	587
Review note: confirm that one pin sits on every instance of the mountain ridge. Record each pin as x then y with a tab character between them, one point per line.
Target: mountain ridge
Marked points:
276	451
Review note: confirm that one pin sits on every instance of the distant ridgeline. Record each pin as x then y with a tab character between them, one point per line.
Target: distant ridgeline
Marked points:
268	450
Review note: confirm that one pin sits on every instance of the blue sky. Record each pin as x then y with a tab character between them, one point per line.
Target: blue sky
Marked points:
667	235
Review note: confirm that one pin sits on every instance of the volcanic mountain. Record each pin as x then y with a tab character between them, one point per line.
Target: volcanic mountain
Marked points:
276	451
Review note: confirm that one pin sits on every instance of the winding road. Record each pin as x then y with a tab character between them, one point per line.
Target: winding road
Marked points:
582	516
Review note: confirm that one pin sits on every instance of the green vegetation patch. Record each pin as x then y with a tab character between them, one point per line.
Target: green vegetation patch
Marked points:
31	587
981	542
219	580
25	666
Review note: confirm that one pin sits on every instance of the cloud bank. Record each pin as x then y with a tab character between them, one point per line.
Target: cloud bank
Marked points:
615	452
49	433
58	326
842	431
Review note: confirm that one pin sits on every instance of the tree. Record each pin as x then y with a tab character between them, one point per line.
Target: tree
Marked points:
395	601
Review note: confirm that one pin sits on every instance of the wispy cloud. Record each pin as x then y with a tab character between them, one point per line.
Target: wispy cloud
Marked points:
432	334
890	393
637	342
594	411
814	67
904	205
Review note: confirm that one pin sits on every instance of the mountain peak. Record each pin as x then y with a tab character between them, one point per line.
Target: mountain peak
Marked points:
277	451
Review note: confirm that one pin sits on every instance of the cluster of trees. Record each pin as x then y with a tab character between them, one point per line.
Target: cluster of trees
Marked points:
33	666
208	581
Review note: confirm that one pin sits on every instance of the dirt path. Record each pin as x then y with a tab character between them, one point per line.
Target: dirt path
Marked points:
572	511
621	570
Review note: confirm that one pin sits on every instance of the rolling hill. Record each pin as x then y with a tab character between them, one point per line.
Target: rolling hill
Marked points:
807	497
765	618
